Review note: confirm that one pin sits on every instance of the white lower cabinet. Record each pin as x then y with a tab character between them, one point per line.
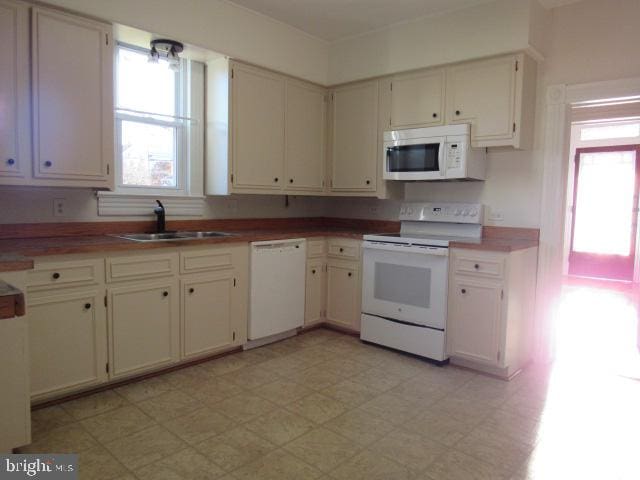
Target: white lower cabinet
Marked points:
67	341
491	306
207	313
143	326
315	296
344	293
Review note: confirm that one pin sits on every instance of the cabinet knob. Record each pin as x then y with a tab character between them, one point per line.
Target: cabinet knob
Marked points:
476	266
275	179
313	271
165	294
291	180
368	182
191	290
341	249
87	306
56	276
458	112
464	290
435	115
11	161
48	163
350	274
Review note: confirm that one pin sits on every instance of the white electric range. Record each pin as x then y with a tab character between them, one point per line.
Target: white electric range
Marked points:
405	277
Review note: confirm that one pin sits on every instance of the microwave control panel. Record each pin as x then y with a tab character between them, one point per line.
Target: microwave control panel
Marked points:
454	152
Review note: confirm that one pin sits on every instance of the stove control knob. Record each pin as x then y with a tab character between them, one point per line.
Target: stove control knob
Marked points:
473	212
457	212
465	213
409	211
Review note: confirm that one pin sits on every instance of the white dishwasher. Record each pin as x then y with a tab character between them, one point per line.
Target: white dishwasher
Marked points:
277	287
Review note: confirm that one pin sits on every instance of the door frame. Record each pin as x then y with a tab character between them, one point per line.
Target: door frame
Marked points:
556	118
609	148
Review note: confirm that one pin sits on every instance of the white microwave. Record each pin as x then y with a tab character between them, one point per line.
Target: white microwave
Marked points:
432	153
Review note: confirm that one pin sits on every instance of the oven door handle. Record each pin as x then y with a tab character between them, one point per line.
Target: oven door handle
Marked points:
400	248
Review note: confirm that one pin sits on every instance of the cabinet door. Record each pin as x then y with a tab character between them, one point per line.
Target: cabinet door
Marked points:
305	137
475	313
258	128
343	294
143	327
207	313
483	94
417	99
354	137
67	341
14	89
72	98
315	292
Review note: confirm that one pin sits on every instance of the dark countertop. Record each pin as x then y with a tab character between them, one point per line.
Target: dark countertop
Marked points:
11	301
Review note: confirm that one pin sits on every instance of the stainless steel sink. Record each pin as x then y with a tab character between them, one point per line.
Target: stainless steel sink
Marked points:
171	236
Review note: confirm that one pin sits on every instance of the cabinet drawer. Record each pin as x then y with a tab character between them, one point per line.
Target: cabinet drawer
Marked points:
77	273
316	248
205	260
344	248
120	269
485	267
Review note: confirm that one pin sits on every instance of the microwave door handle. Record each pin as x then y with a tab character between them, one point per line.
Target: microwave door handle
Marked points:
443	167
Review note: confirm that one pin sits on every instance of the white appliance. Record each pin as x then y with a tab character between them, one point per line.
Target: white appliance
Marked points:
277	287
433	153
405	277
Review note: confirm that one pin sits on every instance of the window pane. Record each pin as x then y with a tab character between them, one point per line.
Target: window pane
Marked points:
148	155
629	130
144	86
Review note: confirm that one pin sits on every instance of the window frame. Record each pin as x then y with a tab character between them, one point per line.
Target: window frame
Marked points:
179	122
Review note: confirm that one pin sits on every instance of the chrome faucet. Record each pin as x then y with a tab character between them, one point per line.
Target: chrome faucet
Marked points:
160	217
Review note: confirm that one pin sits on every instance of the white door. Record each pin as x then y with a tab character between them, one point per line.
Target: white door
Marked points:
354	133
258	128
143	326
305	137
67	341
72	97
343	293
207	313
475	312
14	89
406	283
483	94
417	99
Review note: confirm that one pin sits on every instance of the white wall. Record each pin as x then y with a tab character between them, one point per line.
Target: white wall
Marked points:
219	26
487	29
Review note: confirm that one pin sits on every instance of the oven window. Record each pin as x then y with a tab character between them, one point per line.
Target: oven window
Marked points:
403	284
413	158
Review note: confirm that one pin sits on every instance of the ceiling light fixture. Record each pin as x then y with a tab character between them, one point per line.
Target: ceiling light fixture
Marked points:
170	49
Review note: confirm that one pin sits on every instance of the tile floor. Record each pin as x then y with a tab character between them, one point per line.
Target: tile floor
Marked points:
323	405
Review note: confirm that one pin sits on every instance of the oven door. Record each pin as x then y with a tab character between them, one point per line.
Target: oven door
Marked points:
406	283
414	159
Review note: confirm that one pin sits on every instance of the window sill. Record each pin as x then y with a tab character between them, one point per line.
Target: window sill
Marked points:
131	205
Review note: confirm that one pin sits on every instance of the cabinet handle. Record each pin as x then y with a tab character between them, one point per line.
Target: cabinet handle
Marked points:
458	112
87	306
191	290
11	161
291	180
349	274
341	249
313	271
476	266
368	182
435	115
464	290
275	179
56	276
165	294
48	163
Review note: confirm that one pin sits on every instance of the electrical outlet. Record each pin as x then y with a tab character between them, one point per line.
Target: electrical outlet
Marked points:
232	204
373	209
496	216
59	207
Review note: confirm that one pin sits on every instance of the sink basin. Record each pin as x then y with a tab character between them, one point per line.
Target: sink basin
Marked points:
171	236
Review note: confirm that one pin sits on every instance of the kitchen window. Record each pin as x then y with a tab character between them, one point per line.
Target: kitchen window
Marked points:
159	112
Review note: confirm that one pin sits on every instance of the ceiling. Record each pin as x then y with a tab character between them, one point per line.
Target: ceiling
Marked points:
333	20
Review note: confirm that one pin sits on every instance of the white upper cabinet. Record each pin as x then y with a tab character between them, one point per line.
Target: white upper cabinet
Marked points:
72	65
417	99
497	97
354	137
257	117
305	136
14	90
